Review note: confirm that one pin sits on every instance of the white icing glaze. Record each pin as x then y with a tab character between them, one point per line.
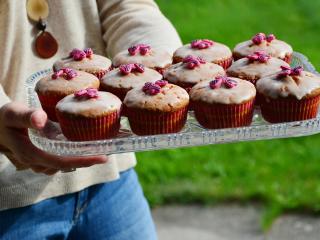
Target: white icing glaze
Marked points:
178	73
116	79
243	68
62	86
215	53
276	48
170	98
94	64
156	58
244	91
296	86
92	107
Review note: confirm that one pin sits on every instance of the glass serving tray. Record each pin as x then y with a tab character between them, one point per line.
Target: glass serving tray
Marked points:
50	139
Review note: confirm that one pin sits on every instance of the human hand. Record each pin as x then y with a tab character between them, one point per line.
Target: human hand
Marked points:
15	119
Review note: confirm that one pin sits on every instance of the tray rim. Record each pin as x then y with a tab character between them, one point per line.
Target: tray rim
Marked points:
36	138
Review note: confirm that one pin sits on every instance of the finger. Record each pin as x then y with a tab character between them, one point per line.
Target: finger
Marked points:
31	155
51	171
59	162
18	115
38	169
18	164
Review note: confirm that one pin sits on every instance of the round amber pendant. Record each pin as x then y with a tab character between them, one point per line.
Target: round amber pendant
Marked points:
46	45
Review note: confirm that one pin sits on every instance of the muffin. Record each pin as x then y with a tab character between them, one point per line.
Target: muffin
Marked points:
192	71
255	66
223	102
289	95
53	87
85	60
121	80
208	50
261	42
155	58
89	115
157	108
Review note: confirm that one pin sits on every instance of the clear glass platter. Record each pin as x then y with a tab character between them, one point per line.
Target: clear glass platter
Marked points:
50	139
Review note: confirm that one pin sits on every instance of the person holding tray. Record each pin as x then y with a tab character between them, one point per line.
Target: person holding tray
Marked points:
103	198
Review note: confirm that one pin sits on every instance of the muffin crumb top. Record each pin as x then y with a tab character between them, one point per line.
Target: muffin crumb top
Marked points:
144	54
289	82
82	104
212	53
223	90
59	83
157	97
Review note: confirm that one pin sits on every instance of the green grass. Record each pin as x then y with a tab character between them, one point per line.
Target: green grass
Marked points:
284	175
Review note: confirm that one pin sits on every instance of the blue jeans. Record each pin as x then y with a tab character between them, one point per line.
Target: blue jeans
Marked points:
114	211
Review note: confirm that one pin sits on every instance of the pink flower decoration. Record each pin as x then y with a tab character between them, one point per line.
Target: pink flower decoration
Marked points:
66	73
202	43
125	69
288	71
261	37
192	62
151	88
87	93
222	80
79	55
139	67
260	56
88	52
270	38
143	49
216	83
57	74
161	83
154	88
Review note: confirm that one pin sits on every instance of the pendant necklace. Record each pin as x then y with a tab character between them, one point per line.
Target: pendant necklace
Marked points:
46	45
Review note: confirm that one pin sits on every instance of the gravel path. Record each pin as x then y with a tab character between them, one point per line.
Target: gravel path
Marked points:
230	222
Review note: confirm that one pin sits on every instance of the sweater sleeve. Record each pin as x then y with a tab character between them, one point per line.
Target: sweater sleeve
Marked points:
128	22
4	99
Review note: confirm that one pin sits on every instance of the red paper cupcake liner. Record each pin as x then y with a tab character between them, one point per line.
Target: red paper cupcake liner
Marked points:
287	58
225	63
289	109
187	87
119	92
160	70
88	129
146	122
48	104
214	116
99	74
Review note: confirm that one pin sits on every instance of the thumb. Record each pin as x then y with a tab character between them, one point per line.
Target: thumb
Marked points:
18	115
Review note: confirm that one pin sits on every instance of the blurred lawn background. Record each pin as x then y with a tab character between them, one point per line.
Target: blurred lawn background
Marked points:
284	175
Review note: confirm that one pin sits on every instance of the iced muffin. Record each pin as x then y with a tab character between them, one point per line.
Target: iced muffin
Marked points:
53	87
155	58
191	71
255	66
157	108
208	50
89	115
267	43
121	80
223	102
85	60
289	95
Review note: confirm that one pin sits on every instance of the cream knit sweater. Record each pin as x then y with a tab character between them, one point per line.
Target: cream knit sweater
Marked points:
107	26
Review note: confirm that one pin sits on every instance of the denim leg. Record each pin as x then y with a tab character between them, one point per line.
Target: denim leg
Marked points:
50	219
115	211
